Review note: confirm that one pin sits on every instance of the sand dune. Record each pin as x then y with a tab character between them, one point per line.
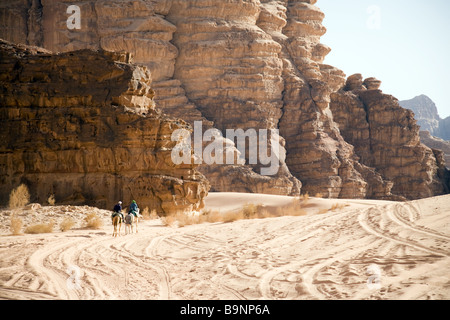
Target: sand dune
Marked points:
365	250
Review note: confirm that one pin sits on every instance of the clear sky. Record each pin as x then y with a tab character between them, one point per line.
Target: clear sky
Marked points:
403	43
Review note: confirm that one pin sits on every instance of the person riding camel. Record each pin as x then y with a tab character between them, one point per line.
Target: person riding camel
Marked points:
134	209
118	211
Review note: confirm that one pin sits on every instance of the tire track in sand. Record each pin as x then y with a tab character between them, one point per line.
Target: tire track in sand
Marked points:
366	220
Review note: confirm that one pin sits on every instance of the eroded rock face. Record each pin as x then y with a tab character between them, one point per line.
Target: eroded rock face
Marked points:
386	137
436	143
241	64
83	126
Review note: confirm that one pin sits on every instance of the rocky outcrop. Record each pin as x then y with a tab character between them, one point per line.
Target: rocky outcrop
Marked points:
386	137
143	29
425	112
427	116
436	143
253	64
237	85
83	126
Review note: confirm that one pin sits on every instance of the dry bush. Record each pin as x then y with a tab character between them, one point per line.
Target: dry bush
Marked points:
149	215
304	197
212	216
40	228
319	195
93	221
16	225
322	211
248	211
233	216
291	210
171	218
263	214
51	200
19	197
168	220
251	210
294	208
67	224
337	206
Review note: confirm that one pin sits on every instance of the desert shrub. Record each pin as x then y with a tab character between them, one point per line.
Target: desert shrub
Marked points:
250	210
16	225
322	211
19	197
51	200
149	215
304	197
181	219
211	216
233	216
67	224
291	210
93	221
337	206
319	195
40	228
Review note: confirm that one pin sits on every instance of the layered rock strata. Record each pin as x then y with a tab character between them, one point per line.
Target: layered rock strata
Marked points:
252	64
83	126
436	143
386	137
231	70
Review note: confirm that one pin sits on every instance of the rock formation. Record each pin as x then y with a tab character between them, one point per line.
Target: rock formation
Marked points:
253	64
427	116
386	137
436	143
83	126
425	112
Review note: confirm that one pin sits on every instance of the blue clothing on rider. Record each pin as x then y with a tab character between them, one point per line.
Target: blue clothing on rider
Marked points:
118	207
134	209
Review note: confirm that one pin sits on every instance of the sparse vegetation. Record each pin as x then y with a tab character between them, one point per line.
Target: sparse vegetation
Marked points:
40	228
149	215
337	206
93	221
51	200
16	225
248	211
19	197
67	224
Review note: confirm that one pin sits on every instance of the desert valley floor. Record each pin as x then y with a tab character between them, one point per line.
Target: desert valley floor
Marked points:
362	250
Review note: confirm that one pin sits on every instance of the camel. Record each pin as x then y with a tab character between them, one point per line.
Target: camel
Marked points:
117	222
134	222
129	221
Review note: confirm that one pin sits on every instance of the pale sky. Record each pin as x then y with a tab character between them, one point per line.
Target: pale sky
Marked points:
403	43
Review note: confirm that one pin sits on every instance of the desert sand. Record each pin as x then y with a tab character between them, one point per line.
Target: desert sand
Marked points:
364	249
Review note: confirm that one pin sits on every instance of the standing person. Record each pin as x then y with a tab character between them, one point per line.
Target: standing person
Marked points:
118	211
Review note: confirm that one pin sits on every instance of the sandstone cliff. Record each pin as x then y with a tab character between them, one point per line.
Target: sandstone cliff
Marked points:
437	143
386	137
253	64
83	126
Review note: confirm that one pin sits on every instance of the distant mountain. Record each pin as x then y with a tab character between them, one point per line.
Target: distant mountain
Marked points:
427	116
425	111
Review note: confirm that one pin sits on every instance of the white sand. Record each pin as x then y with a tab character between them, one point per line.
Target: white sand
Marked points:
366	250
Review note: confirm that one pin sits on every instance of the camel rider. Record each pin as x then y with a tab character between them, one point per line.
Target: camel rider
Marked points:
134	209
118	211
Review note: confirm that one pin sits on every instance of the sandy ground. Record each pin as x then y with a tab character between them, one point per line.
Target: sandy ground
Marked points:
365	250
